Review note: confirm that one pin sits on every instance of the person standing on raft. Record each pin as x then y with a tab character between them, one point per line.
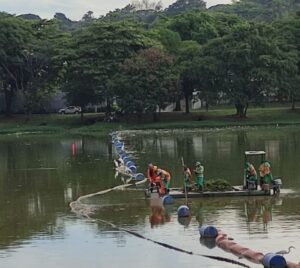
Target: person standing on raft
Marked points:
152	177
251	175
187	179
265	174
199	172
165	178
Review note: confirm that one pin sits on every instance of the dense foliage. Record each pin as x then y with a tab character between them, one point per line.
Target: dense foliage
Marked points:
142	58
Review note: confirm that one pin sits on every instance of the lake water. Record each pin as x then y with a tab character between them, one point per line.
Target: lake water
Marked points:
41	175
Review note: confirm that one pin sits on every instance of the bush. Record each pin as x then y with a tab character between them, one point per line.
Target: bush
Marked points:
217	185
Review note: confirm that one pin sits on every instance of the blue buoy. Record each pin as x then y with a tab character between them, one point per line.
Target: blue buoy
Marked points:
116	140
119	150
183	211
167	199
272	260
132	168
126	159
208	231
123	154
139	177
129	163
119	144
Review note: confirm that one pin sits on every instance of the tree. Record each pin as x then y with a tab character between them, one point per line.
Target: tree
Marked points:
146	5
289	32
95	55
65	23
260	10
207	76
28	59
148	82
88	16
253	64
196	26
15	36
41	65
185	64
185	5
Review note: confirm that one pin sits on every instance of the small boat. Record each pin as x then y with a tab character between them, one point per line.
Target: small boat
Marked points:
249	188
236	191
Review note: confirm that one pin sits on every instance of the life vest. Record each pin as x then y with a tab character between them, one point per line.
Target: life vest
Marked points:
264	169
151	174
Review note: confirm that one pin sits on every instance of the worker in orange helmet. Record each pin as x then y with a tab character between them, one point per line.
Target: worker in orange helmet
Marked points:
165	179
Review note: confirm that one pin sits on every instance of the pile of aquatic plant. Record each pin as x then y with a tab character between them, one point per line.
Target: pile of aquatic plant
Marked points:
215	185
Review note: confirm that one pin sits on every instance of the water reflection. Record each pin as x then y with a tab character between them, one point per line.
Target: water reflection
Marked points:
259	211
39	177
158	213
208	242
185	221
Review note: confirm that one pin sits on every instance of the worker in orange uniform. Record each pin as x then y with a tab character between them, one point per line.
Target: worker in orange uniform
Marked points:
265	173
152	176
165	179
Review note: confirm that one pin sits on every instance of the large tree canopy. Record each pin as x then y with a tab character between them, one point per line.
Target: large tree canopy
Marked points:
148	82
185	5
252	64
289	32
216	54
261	10
15	36
95	56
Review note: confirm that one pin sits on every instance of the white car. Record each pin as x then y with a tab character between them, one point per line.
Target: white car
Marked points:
70	110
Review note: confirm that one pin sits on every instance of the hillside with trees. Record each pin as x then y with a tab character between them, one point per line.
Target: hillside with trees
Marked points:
141	58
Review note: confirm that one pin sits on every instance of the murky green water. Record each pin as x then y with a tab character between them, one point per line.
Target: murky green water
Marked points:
40	176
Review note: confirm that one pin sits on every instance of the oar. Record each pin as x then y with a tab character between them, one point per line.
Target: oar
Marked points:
185	189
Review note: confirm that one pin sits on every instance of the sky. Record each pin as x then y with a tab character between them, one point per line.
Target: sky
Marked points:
74	9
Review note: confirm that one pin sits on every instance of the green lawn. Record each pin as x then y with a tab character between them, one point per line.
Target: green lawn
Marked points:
92	124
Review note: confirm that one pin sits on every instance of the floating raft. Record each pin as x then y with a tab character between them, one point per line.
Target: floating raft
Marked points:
237	191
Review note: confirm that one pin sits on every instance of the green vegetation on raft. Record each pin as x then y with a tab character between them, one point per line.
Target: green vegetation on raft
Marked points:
217	185
93	125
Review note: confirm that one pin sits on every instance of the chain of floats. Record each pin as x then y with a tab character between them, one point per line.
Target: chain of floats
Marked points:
86	210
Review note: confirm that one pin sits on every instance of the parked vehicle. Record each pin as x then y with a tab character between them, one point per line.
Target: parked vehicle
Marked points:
70	110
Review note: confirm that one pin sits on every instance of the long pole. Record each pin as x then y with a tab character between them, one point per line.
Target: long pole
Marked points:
184	186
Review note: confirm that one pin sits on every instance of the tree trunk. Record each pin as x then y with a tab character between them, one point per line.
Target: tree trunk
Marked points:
293	103
177	106
187	89
155	117
108	105
187	104
241	109
139	117
245	109
8	100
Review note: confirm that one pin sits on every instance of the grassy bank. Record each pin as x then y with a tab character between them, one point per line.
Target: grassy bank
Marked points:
92	124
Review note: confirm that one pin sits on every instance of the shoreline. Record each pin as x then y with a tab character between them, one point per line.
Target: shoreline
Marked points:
92	124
